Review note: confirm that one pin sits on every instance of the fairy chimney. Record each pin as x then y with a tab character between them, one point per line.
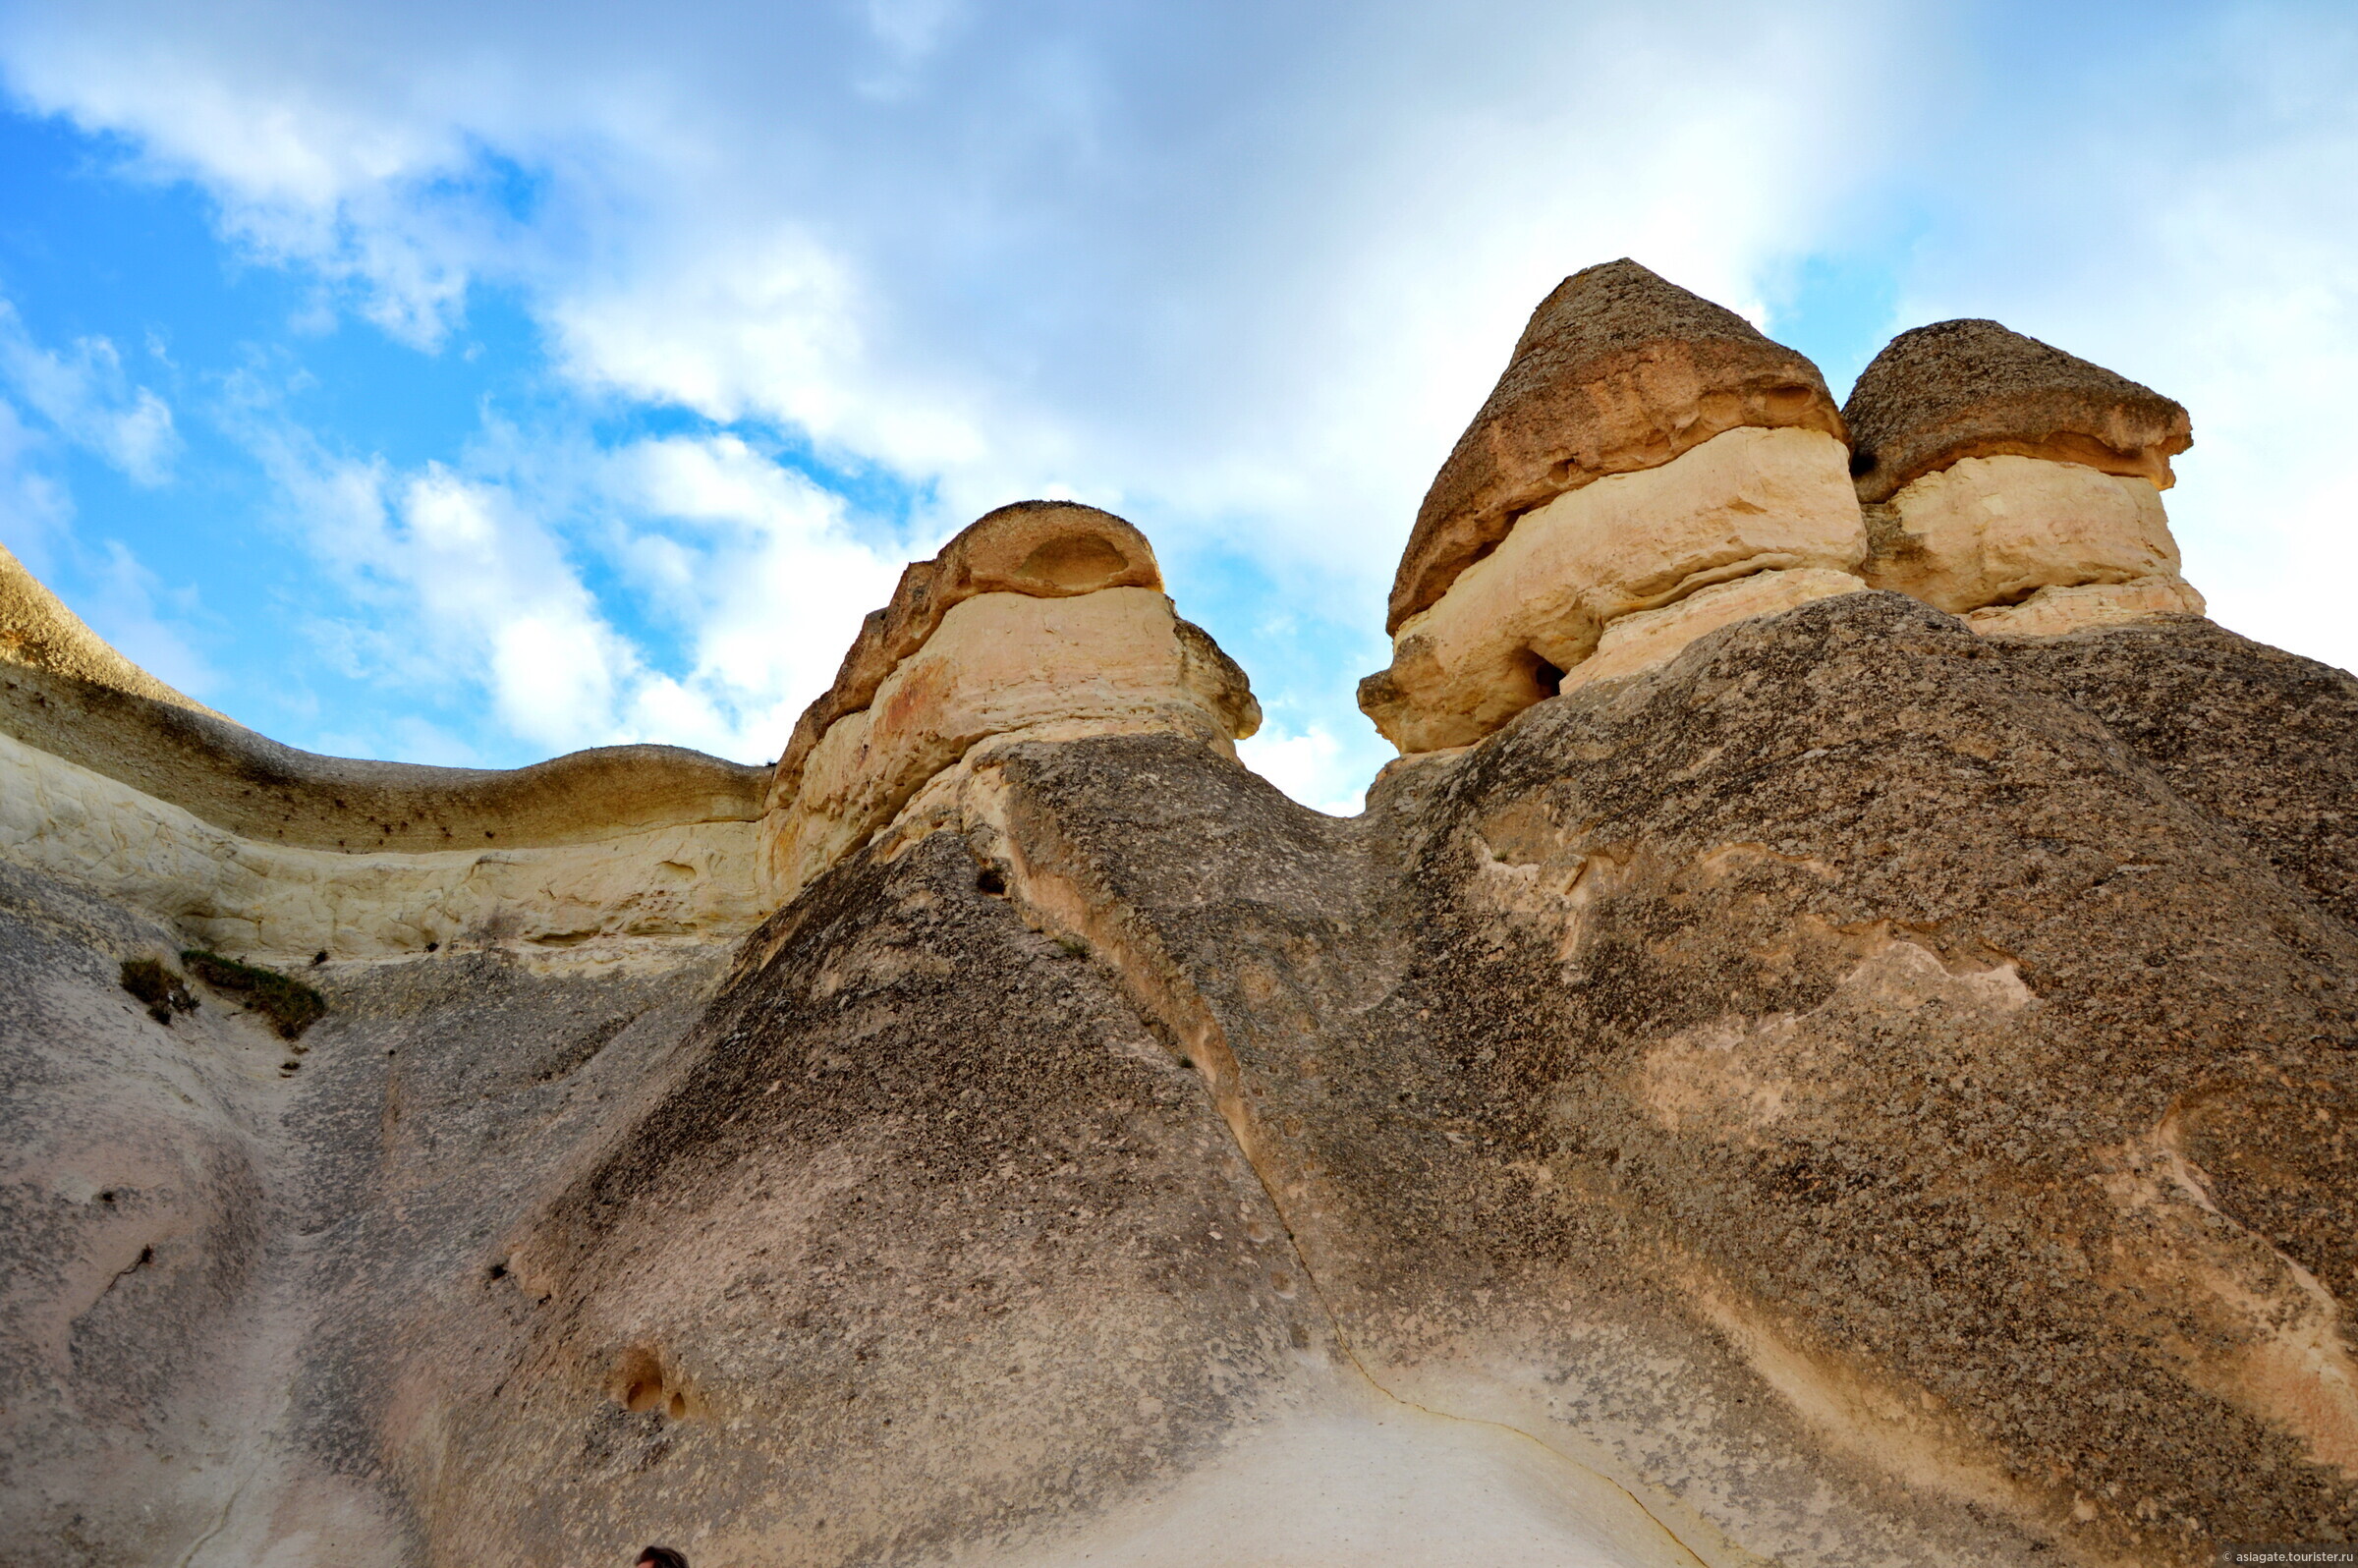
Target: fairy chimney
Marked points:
1043	619
1650	466
2015	484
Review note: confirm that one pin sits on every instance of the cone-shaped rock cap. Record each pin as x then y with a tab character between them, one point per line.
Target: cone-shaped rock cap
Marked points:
1960	389
1617	370
1046	549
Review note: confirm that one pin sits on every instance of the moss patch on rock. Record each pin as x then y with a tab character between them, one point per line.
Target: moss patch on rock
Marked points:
161	992
289	1004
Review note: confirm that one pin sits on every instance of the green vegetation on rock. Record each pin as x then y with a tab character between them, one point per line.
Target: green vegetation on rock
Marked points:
290	1006
162	992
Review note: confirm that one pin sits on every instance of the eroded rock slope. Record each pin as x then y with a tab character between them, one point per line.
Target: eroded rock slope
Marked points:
1857	1068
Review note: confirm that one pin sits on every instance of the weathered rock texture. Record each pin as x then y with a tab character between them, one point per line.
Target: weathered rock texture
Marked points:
1525	619
1645	452
1965	389
690	877
111	778
1617	370
1040	614
2010	543
2014	485
64	692
2005	482
1848	1090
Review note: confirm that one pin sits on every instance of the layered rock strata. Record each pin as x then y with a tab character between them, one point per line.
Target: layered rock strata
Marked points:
1040	617
1617	370
1637	480
1646	458
111	778
2015	484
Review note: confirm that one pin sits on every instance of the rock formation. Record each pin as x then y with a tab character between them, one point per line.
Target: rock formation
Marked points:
1647	467
2014	485
1040	619
112	778
1831	1088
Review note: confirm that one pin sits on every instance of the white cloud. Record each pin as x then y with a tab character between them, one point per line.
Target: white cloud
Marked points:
1241	271
479	580
496	584
1310	765
84	395
451	584
34	508
1247	269
778	588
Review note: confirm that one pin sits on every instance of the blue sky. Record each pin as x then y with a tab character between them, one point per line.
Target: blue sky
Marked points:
471	384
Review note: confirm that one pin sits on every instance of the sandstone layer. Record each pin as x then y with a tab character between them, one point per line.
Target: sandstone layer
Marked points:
1995	530
1970	388
112	778
1524	618
1617	370
1044	614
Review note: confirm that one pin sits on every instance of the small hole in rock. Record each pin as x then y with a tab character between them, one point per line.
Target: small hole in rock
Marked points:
320	958
637	1385
679	1406
1551	679
991	879
499	1270
433	947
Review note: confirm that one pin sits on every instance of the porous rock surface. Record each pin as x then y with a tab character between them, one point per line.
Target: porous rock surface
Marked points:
1865	1091
1973	388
